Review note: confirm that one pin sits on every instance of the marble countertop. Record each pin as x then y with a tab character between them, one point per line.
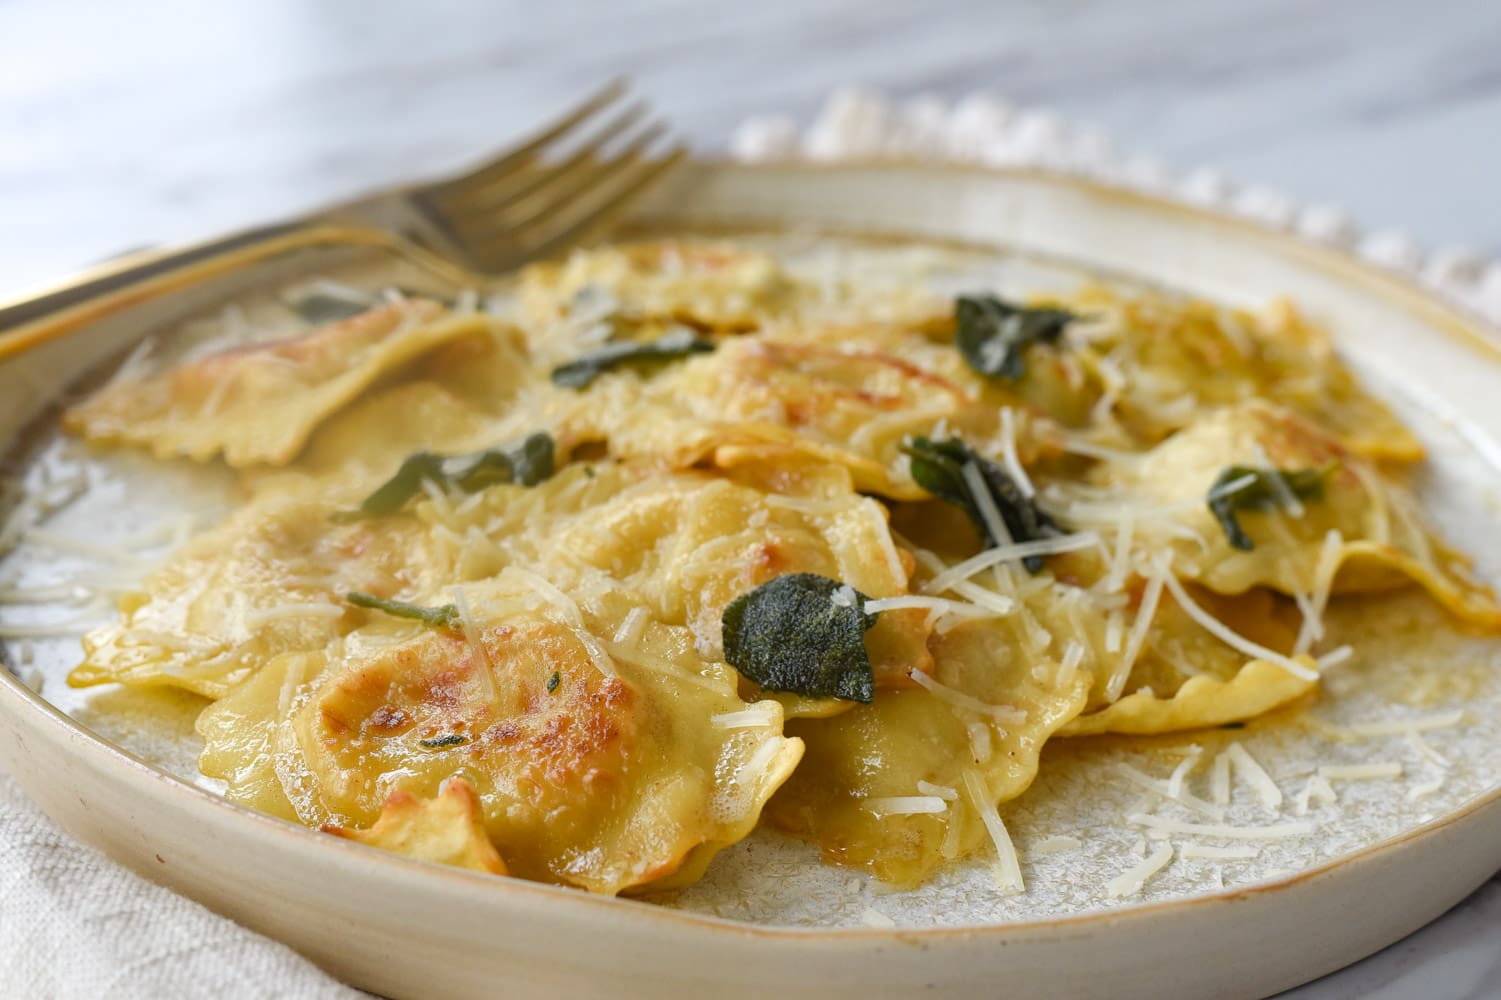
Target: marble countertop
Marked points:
163	120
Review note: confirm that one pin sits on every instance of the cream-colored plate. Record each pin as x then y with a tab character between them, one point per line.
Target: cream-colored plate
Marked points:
1381	864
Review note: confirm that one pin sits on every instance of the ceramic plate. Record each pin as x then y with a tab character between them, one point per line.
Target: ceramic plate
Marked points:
1356	874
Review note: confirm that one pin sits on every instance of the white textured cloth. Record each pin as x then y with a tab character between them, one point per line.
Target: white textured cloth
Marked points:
81	926
77	925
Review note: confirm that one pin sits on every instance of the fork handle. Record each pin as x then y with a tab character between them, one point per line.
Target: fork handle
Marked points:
116	283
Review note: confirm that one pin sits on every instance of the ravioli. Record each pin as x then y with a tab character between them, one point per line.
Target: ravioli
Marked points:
851	405
1183	677
268	580
1362	534
611	766
445	830
1202	701
691	542
1156	365
716	286
1175	675
1002	706
257	404
531	680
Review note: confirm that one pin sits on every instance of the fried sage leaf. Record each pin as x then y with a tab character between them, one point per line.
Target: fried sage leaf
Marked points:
938	467
526	462
1242	487
678	343
443	616
993	334
443	742
802	633
319	308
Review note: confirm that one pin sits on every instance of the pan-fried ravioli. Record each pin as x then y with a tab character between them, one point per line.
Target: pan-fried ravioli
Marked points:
690	542
887	787
447	829
1152	365
717	286
576	578
608	765
256	405
851	404
1356	530
269	580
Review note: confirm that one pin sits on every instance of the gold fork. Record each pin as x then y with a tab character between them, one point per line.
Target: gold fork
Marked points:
568	181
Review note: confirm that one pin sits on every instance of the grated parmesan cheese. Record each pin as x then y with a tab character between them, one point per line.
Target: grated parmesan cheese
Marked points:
1131	881
1073	655
937	606
995	525
1005	714
1182	771
1318	787
1312	628
476	647
1423	748
1398	727
1274	831
1335	657
1425	788
631	627
1160	788
1250	768
1150	597
259	617
1009	457
747	718
872	917
1055	845
1232	638
1008	867
941	791
1115	627
904	805
1009	553
979	741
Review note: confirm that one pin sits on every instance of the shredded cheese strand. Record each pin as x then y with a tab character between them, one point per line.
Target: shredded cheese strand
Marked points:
1260	781
904	805
1274	831
1005	714
1008	867
1131	881
1232	638
1009	457
1009	553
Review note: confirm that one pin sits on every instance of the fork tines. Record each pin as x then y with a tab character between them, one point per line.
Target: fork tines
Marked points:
571	178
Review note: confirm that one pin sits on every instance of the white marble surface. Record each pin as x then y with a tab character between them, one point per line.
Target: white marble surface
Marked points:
123	124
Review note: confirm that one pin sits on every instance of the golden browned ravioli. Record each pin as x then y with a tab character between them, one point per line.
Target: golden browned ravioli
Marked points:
690	542
850	404
447	829
257	404
901	786
1128	516
1179	675
603	760
1151	365
717	286
1357	530
271	579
